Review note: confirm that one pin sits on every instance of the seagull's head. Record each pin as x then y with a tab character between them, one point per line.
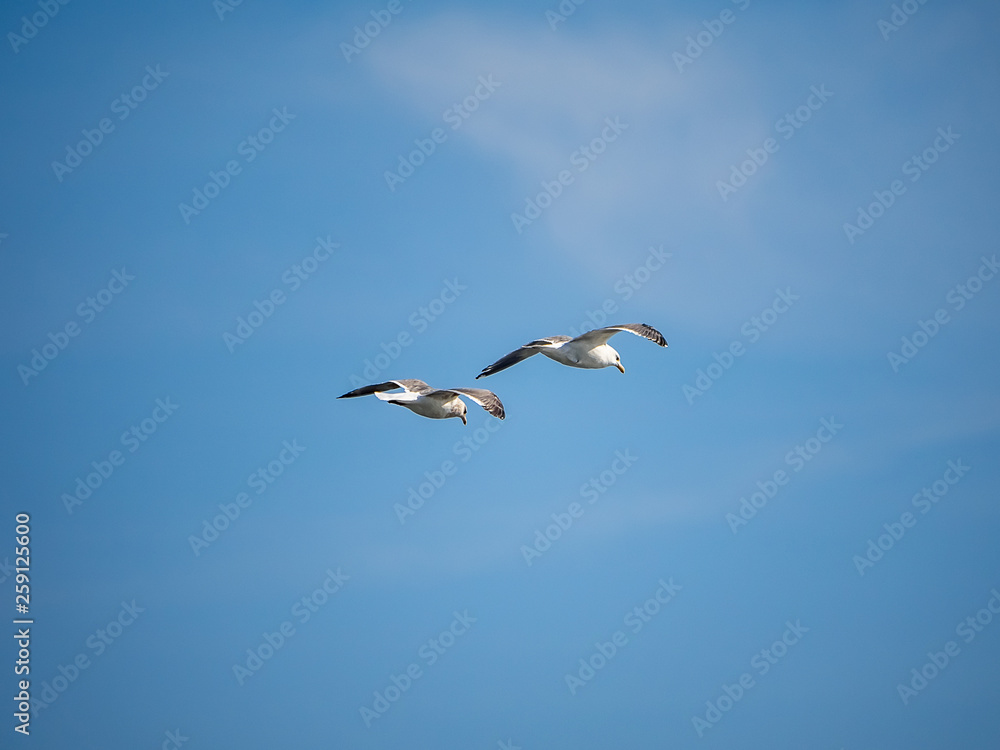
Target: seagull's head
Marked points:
461	410
607	356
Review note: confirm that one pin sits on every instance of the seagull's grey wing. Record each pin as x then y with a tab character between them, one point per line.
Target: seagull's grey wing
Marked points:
532	347
412	386
508	361
601	335
486	399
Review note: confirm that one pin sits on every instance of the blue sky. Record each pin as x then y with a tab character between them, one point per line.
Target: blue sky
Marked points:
802	198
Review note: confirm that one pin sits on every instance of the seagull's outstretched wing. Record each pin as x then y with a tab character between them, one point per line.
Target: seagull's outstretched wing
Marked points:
532	347
601	335
410	386
486	399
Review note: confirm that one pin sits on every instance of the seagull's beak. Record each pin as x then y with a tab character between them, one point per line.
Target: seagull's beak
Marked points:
619	366
464	420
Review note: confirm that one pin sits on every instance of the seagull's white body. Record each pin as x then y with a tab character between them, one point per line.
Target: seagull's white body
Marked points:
590	350
432	403
432	407
576	353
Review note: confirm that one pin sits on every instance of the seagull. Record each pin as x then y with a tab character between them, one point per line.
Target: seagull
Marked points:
421	399
589	350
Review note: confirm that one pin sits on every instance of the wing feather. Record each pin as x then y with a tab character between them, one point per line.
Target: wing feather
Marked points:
486	399
519	355
409	385
601	335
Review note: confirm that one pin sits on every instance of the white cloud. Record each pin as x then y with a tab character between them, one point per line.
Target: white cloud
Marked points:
655	183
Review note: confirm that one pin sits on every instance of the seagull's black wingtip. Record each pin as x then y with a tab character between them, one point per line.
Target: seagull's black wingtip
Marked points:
660	340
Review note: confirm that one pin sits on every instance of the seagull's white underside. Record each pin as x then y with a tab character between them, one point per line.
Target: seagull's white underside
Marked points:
425	406
580	354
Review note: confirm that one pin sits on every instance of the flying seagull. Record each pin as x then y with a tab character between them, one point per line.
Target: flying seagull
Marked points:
421	399
590	350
